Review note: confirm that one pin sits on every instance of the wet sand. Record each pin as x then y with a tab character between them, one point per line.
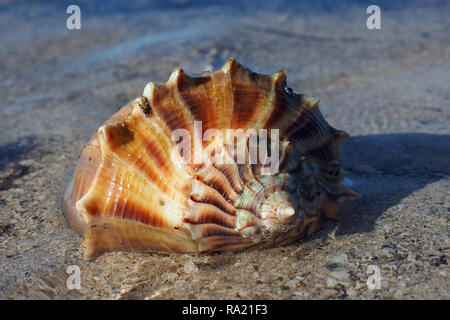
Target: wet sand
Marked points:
389	89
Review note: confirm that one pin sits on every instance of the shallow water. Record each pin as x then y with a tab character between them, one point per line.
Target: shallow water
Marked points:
388	88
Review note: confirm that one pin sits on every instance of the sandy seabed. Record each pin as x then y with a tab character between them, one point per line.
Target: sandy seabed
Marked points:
389	89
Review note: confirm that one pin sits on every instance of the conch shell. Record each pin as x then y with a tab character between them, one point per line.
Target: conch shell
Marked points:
134	190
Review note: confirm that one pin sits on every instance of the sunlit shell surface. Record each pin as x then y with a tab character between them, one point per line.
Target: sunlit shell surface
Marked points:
129	192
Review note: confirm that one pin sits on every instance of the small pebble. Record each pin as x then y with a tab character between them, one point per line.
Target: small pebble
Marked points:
341	275
340	258
172	276
328	293
293	283
399	294
190	267
367	257
27	163
242	293
331	282
351	292
360	285
385	284
302	293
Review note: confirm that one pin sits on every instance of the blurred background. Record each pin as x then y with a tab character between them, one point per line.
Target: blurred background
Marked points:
388	88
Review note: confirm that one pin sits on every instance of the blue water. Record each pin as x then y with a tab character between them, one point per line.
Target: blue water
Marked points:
122	45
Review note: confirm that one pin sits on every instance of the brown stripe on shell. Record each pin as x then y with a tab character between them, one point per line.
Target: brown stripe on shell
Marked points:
245	170
222	105
203	213
251	97
228	168
224	243
291	110
309	129
126	208
85	172
107	234
305	114
270	104
196	93
121	193
155	163
284	109
323	153
203	193
199	231
256	198
231	172
211	176
168	106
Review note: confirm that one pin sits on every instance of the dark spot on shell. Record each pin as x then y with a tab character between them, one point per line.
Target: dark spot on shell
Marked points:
146	109
267	233
118	135
289	91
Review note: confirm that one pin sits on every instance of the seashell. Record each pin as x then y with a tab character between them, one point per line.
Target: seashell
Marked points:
134	190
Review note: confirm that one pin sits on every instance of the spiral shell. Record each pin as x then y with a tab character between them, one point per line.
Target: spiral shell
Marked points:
129	191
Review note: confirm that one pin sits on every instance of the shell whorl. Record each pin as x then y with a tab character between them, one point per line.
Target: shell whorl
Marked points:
131	191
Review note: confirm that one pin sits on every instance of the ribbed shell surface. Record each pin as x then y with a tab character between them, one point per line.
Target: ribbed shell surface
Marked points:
129	191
